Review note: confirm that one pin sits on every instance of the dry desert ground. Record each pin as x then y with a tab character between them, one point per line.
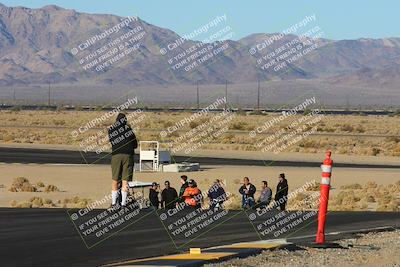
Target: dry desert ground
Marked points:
352	189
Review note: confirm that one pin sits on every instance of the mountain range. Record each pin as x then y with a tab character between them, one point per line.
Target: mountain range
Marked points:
36	47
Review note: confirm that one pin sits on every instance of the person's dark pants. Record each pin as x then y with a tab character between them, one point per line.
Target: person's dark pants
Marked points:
282	206
170	205
247	202
155	205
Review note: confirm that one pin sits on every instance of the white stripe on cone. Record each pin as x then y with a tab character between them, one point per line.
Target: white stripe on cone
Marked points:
326	168
325	181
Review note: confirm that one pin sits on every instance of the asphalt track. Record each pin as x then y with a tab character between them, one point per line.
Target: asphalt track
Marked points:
47	237
43	156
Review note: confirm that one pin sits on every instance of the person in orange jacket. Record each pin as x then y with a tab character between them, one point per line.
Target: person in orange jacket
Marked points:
192	195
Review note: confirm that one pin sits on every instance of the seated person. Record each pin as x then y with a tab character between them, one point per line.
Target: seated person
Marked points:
192	195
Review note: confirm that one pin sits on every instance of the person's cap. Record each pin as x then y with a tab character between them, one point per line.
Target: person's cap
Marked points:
184	177
154	184
191	181
282	175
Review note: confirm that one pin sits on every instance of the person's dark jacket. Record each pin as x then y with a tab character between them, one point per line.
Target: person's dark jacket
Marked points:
217	194
252	190
282	189
153	197
122	138
168	198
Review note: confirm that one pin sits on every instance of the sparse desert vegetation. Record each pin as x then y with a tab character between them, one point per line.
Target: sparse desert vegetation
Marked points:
34	202
51	188
373	190
234	202
38	202
367	197
40	184
22	184
350	134
350	197
74	202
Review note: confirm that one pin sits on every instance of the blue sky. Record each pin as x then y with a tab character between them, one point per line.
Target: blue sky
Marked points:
339	19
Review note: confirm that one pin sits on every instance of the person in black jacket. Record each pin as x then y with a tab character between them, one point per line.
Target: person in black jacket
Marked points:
282	190
153	195
217	196
247	190
185	184
123	142
168	196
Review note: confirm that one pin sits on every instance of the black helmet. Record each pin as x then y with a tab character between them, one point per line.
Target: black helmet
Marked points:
192	182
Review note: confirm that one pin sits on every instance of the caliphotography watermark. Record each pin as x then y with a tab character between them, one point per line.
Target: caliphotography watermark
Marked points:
98	37
201	128
101	51
187	55
277	52
271	223
95	225
95	135
289	128
191	218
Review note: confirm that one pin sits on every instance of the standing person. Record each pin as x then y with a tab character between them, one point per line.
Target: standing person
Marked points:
282	190
247	190
192	195
184	185
217	195
168	196
265	196
123	143
153	195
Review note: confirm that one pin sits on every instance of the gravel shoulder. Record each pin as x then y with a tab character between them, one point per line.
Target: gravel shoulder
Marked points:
372	249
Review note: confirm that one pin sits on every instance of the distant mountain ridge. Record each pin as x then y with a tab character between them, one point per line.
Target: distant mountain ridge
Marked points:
35	48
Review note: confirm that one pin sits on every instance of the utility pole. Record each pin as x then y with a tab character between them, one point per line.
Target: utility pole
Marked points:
14	98
226	94
258	94
198	96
